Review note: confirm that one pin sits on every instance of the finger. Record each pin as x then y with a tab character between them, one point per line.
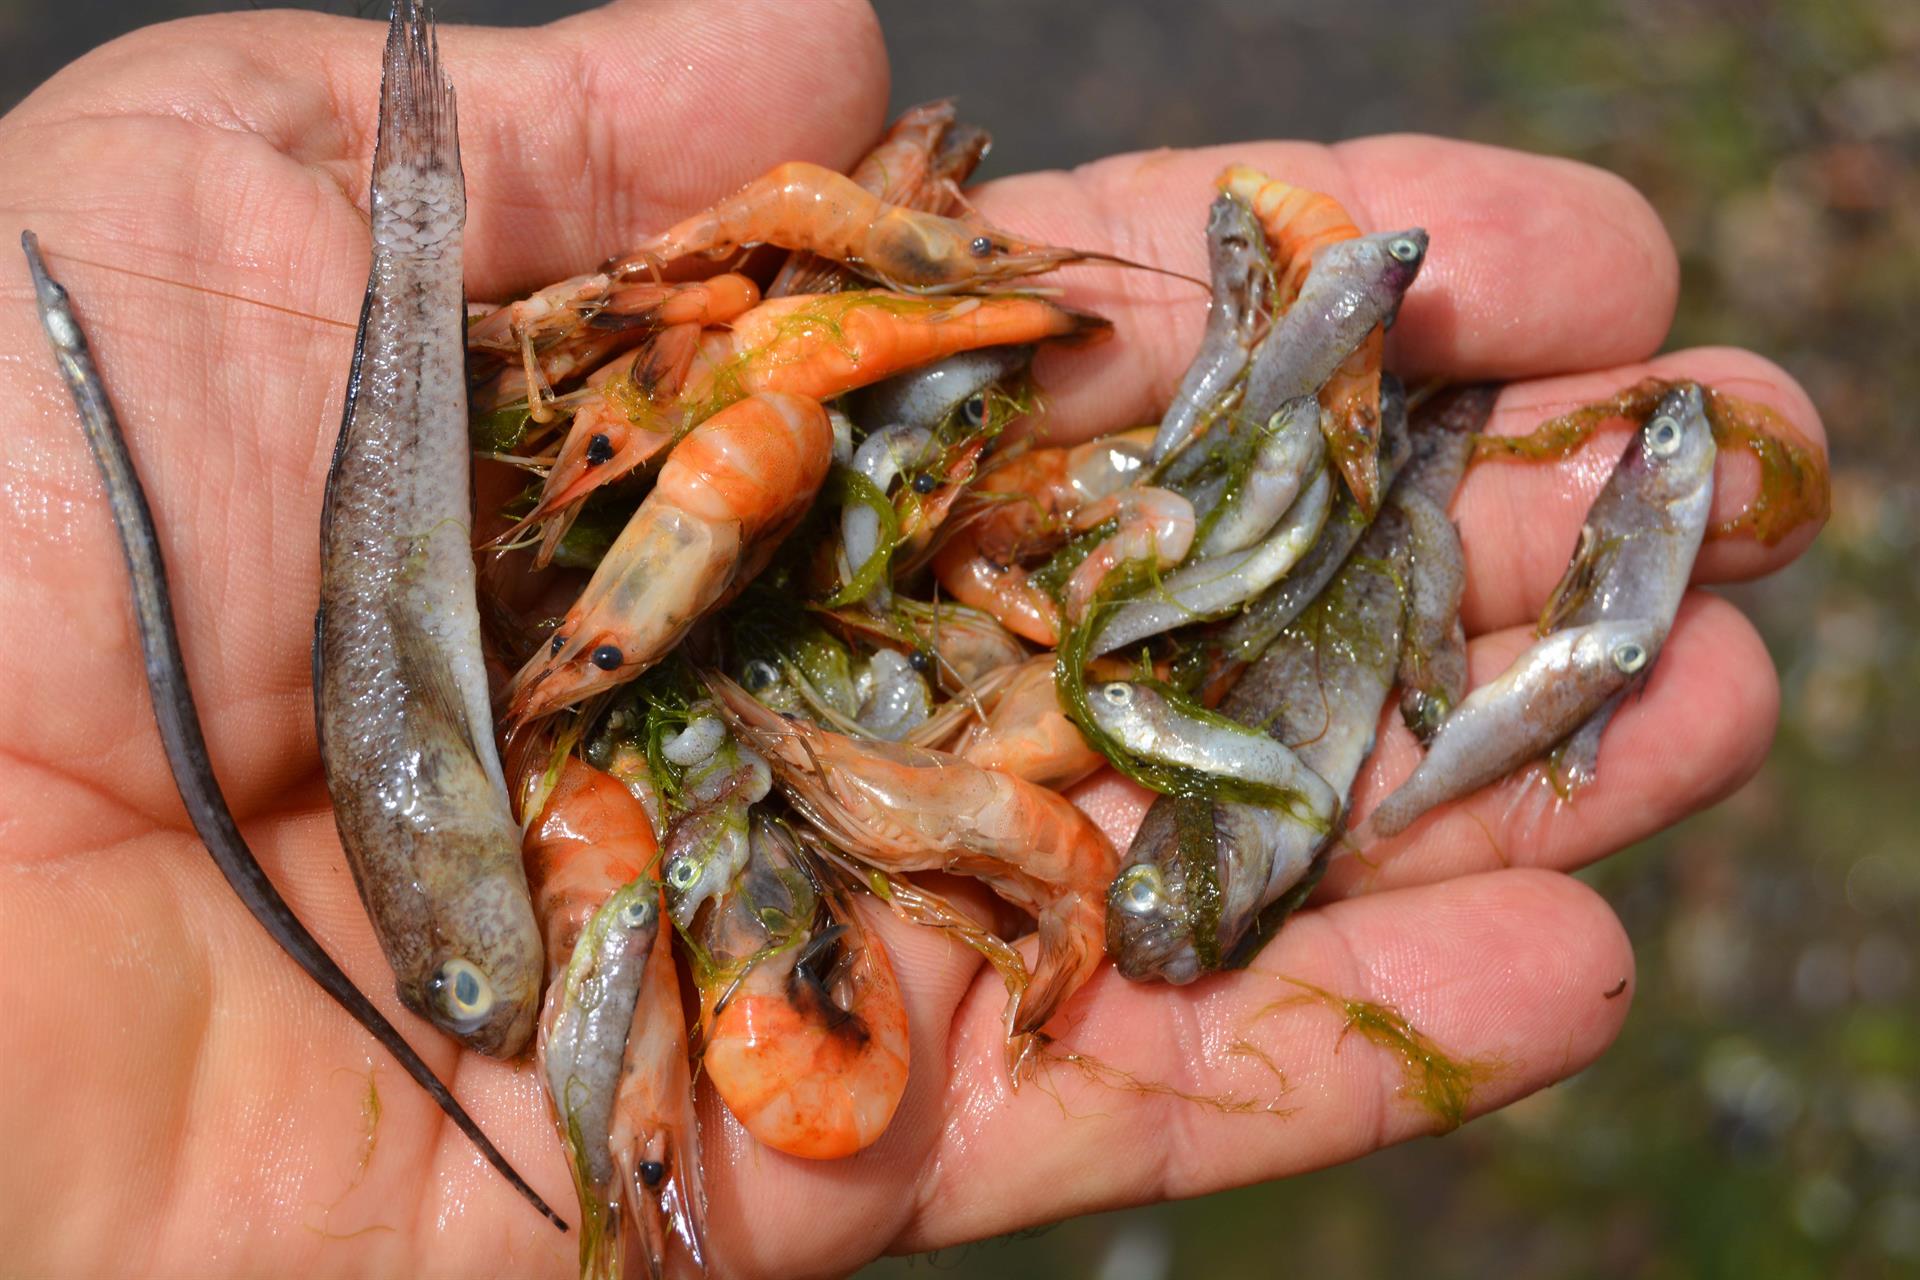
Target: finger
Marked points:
1537	265
576	138
1504	974
1698	731
1519	520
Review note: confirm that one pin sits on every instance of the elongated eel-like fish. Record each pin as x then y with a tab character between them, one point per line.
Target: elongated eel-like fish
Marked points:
179	721
400	687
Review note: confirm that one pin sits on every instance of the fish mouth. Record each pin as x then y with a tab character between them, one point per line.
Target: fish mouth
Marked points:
1159	945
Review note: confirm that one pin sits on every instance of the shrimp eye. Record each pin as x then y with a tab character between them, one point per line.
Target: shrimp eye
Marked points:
760	675
974	410
1139	890
462	993
599	449
652	1171
981	246
925	482
1404	249
682	874
1117	693
638	914
1630	657
920	661
607	657
1663	436
559	643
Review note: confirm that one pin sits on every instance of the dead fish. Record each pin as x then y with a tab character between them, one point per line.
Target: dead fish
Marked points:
1241	273
400	687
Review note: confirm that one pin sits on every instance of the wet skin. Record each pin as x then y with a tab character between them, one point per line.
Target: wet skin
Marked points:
214	1067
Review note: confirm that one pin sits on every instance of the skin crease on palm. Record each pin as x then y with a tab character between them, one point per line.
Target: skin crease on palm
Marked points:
180	1099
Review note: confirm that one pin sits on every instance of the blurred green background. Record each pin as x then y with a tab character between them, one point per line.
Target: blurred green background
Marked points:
1760	1115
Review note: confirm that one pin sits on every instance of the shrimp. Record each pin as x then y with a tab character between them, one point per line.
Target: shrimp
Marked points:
729	491
1026	733
808	1045
628	424
899	170
823	346
1298	222
1024	507
613	1043
804	206
909	809
1151	525
572	326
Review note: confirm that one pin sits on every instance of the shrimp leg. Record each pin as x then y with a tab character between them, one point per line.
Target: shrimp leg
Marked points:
179	719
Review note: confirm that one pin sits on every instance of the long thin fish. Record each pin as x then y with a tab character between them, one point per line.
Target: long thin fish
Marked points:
179	721
400	686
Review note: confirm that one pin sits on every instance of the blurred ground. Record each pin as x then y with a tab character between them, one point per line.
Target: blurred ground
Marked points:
1761	1113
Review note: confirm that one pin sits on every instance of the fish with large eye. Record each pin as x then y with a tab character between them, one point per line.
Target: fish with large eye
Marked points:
461	995
1138	891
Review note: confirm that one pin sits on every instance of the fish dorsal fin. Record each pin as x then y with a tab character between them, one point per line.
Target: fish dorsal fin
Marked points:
1577	583
429	680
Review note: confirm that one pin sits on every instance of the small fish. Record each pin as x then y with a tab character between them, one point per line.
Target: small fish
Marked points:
1200	873
400	686
1286	451
1241	271
1637	547
1547	694
927	397
1352	286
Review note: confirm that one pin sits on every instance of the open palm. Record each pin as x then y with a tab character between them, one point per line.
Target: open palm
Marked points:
182	1100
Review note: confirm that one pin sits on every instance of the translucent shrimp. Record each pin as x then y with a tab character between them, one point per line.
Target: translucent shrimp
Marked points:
899	170
904	808
1151	525
568	328
804	206
729	491
1022	508
1026	733
807	1045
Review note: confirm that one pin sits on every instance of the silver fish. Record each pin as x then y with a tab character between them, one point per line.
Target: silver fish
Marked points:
1286	450
1547	694
1241	271
927	397
1200	874
1637	547
400	688
1352	286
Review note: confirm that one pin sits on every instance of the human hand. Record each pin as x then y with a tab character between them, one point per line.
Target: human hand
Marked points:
183	1100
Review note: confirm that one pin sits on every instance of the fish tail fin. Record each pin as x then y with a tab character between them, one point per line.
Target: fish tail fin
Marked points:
418	124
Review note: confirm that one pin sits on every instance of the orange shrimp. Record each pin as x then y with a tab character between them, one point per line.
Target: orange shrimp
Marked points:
822	346
804	206
807	1044
726	496
1027	735
572	326
1299	223
1025	507
899	170
904	808
634	417
612	1048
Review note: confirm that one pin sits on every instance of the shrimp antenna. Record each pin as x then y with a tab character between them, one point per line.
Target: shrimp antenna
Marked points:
179	719
1144	266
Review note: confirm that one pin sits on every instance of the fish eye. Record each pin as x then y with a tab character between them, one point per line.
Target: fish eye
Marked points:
461	992
607	657
681	873
760	675
1139	890
981	246
974	409
1630	657
638	913
1117	693
1403	248
1663	435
